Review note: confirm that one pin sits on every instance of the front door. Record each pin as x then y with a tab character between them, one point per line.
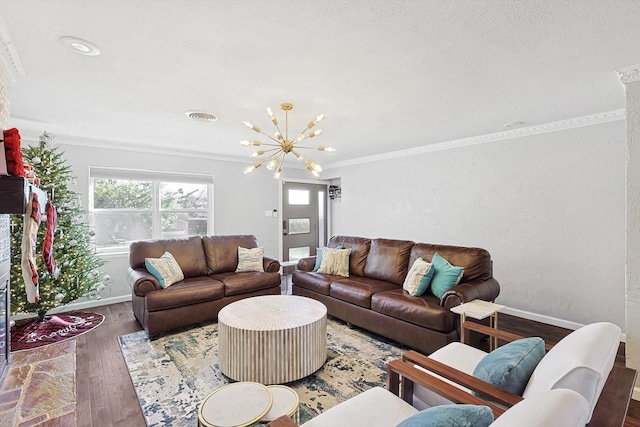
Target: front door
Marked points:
304	219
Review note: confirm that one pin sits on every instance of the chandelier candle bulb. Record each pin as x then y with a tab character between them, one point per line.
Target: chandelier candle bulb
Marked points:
257	153
278	173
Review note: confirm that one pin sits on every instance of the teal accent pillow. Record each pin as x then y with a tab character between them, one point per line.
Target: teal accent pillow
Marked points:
319	257
165	269
451	416
445	275
510	366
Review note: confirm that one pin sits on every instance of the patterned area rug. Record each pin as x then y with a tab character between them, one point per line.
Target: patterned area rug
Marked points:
29	333
173	374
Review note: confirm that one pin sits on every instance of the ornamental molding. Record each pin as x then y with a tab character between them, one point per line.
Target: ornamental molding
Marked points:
578	122
9	60
629	74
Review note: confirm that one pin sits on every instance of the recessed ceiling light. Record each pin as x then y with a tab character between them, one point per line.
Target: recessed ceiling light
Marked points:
514	124
80	46
200	116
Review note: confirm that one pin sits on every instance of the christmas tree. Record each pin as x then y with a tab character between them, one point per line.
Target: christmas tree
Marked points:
76	271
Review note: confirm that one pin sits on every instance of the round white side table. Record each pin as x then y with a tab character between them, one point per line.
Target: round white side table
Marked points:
235	405
285	402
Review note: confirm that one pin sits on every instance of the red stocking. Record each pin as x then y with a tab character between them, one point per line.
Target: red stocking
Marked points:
47	245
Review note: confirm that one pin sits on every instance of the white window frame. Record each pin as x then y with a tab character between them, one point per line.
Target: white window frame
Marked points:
156	177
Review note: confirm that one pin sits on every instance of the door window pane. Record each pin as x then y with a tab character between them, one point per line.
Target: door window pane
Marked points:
300	252
299	225
298	197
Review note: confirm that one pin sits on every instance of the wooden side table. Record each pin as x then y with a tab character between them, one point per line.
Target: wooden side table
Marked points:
479	309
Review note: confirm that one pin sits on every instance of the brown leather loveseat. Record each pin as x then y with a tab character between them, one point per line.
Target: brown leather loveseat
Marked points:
372	296
210	280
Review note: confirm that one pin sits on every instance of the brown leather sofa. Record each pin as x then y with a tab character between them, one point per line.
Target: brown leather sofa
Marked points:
210	280
372	296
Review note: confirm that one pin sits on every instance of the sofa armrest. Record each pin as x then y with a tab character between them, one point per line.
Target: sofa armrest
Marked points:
410	375
306	264
141	281
487	290
283	421
493	393
270	265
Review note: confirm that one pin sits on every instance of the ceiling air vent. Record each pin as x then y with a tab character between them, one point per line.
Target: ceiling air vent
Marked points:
200	116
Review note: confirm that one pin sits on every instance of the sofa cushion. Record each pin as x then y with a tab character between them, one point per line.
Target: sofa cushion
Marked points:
475	261
242	283
165	269
335	261
388	260
554	408
358	290
250	259
510	366
423	311
445	276
187	252
451	416
580	361
316	282
192	290
221	252
359	250
418	278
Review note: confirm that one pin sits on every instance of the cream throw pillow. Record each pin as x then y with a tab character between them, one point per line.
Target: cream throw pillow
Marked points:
250	259
418	278
335	261
165	269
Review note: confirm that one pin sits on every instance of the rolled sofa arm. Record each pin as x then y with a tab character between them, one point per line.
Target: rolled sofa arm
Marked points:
307	264
487	290
141	281
270	265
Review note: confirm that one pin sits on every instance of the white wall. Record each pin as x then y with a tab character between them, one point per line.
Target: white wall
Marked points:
239	200
549	208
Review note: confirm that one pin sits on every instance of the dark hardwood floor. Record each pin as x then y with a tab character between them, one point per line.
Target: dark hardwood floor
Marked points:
106	396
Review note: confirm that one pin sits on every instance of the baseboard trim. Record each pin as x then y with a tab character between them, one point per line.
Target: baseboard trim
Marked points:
78	306
553	321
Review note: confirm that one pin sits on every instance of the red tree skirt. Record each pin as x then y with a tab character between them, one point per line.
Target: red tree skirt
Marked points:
29	333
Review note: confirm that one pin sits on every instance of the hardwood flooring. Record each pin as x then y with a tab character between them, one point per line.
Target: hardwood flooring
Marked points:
106	396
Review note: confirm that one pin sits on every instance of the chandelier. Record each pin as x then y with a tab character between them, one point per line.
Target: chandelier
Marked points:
274	157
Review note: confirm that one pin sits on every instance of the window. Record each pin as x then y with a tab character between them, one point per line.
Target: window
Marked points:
131	205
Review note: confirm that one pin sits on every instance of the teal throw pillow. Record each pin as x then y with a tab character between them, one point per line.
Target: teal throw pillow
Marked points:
165	269
510	366
451	416
445	275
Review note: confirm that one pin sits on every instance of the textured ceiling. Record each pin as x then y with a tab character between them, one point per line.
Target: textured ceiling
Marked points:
388	75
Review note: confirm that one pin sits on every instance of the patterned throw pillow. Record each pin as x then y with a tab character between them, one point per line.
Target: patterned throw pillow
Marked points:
418	278
165	269
250	259
335	261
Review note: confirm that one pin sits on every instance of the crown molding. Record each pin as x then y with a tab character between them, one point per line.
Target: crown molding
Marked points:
577	122
9	60
629	74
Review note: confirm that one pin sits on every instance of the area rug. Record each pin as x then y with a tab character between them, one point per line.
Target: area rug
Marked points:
173	374
29	333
